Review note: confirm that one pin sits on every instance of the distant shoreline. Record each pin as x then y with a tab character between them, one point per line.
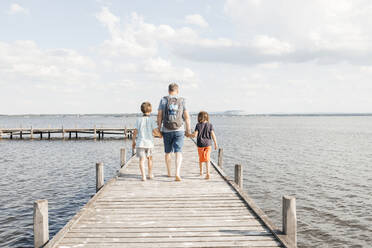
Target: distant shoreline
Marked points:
212	114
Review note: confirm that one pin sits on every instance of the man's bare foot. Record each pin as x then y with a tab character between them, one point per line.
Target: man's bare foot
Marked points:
208	176
143	178
151	176
201	173
178	179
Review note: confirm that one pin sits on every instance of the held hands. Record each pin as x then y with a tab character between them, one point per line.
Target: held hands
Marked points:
188	134
157	134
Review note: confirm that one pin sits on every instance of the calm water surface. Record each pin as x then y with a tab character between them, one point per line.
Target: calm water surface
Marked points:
326	162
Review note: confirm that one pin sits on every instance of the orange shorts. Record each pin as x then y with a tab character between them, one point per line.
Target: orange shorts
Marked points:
204	153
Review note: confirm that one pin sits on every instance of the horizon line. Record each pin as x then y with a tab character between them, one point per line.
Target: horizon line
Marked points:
228	112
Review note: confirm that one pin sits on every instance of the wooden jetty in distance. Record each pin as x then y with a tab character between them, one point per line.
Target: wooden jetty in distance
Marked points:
65	133
126	212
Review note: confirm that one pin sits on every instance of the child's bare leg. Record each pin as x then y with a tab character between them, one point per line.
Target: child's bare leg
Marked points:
201	168
149	161
168	163
142	168
208	176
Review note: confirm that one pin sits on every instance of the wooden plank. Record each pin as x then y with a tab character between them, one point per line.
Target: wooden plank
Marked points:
166	234
237	229
167	238
252	240
172	245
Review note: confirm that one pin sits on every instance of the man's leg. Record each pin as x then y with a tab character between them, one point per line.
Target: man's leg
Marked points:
177	148
167	139
178	165
168	161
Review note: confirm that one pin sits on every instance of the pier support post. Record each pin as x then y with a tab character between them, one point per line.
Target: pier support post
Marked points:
31	133
123	157
63	133
220	155
41	135
69	135
41	225
11	135
239	175
290	218
21	134
125	132
99	176
48	135
95	132
76	135
1	134
102	134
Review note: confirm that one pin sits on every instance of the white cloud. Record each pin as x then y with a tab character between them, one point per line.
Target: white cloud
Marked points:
324	31
133	39
196	19
271	45
15	8
24	61
134	45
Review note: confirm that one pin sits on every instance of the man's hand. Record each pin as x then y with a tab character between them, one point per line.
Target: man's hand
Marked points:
215	147
134	144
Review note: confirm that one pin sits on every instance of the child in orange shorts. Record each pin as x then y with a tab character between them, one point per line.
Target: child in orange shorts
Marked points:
205	134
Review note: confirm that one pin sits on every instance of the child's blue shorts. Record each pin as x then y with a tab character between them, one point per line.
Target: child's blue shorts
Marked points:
173	141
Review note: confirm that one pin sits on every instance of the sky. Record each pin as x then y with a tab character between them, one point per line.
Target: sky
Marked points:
259	56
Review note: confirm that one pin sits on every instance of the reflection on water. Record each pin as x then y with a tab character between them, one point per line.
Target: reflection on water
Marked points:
324	161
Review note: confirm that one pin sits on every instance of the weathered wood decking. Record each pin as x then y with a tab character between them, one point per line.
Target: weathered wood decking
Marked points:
196	212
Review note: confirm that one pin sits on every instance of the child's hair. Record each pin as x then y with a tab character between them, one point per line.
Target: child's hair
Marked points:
203	116
146	107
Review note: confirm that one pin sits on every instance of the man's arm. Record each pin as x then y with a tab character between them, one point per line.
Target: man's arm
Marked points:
187	121
160	118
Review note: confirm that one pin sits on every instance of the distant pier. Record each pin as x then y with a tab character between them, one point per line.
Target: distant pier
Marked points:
65	133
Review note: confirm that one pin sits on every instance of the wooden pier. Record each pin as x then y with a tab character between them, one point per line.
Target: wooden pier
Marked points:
65	133
126	212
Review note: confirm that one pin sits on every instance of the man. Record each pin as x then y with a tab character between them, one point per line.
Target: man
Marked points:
172	114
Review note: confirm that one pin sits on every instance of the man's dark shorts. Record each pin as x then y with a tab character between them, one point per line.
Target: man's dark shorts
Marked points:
173	141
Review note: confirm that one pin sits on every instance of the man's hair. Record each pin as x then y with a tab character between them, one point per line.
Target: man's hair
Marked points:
203	116
146	107
172	87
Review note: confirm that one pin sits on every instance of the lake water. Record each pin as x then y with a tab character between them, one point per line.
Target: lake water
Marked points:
326	162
